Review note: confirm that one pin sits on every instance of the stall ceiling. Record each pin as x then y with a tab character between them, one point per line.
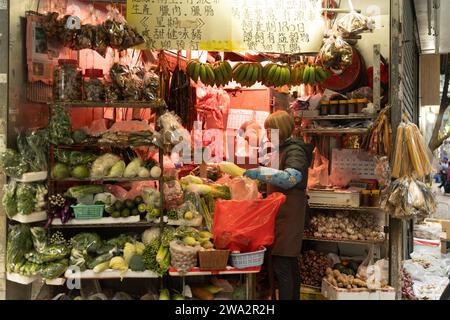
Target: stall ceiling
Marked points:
427	42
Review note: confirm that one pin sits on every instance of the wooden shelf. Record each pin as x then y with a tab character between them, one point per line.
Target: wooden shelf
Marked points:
359	242
340	117
199	272
326	207
334	131
156	104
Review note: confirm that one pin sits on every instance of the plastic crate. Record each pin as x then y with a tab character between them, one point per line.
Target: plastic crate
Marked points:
213	259
247	260
86	212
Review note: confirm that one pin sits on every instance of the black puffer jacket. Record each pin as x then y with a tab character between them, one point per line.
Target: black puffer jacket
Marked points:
296	154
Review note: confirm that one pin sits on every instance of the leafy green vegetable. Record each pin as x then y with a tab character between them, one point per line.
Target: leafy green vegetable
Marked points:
100	259
167	236
121	240
103	164
39	237
26	197
79	259
48	254
60	127
137	263
12	163
19	243
38	144
86	242
9	200
149	257
74	158
54	269
78	192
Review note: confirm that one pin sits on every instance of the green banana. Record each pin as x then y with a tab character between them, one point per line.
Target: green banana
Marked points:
294	75
312	76
196	72
218	75
306	75
240	72
211	76
322	73
271	74
287	75
278	76
202	74
228	68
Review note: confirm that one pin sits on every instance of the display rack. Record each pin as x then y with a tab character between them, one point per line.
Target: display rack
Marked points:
327	207
344	241
333	131
155	104
339	117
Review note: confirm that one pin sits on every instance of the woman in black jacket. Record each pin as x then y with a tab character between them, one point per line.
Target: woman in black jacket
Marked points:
291	179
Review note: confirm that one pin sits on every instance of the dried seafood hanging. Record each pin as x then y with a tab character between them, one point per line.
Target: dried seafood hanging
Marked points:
408	198
378	140
179	94
410	153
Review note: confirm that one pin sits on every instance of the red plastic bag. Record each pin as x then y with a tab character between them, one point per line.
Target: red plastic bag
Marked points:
246	225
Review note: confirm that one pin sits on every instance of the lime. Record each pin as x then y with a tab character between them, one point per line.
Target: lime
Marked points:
189	215
142	208
129	204
138	200
118	205
125	213
156	212
135	212
109	209
115	214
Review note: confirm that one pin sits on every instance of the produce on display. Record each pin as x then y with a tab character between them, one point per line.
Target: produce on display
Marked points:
340	280
60	127
74	158
354	23
345	226
183	257
24	198
9	201
33	148
313	266
12	164
410	156
59	207
407	286
302	73
407	198
247	74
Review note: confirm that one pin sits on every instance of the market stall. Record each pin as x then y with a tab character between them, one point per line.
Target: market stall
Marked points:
137	170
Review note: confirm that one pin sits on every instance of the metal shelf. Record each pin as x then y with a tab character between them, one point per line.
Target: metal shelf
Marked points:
333	131
340	117
359	242
157	104
326	207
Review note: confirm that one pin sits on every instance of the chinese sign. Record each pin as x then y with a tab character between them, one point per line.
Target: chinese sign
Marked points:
280	26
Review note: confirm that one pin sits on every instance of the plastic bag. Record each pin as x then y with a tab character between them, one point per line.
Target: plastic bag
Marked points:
55	269
354	22
173	194
362	269
428	230
243	188
19	243
170	125
39	237
336	54
9	201
183	258
247	225
378	275
318	174
427	247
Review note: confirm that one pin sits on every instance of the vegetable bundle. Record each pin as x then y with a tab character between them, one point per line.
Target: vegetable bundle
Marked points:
24	198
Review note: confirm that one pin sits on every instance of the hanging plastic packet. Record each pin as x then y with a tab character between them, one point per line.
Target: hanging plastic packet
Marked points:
354	22
336	53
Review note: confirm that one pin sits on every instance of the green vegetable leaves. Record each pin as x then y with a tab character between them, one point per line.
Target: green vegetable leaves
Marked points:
60	127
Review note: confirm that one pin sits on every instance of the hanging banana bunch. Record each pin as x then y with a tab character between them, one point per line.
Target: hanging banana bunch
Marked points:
314	74
247	74
276	75
223	73
297	74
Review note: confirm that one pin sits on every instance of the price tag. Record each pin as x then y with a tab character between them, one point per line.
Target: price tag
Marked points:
73	23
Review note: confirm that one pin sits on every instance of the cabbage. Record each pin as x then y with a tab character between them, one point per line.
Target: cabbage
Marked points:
107	198
103	164
117	170
150	235
132	169
144	173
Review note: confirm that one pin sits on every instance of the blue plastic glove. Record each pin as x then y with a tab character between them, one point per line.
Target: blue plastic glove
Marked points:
285	179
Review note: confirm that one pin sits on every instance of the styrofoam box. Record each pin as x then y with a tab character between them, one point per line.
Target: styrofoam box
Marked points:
30	218
334	198
330	292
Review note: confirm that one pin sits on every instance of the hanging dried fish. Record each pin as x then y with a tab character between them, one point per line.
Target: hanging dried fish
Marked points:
179	94
378	140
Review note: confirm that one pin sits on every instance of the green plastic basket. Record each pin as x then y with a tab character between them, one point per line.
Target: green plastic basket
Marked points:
85	212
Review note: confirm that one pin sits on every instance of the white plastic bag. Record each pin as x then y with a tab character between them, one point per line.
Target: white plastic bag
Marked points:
428	230
378	274
362	269
243	188
427	247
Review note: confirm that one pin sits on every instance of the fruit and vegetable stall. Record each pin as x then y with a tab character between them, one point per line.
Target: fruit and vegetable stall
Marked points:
101	194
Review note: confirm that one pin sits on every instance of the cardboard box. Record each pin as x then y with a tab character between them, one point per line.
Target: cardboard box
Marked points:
334	198
333	293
